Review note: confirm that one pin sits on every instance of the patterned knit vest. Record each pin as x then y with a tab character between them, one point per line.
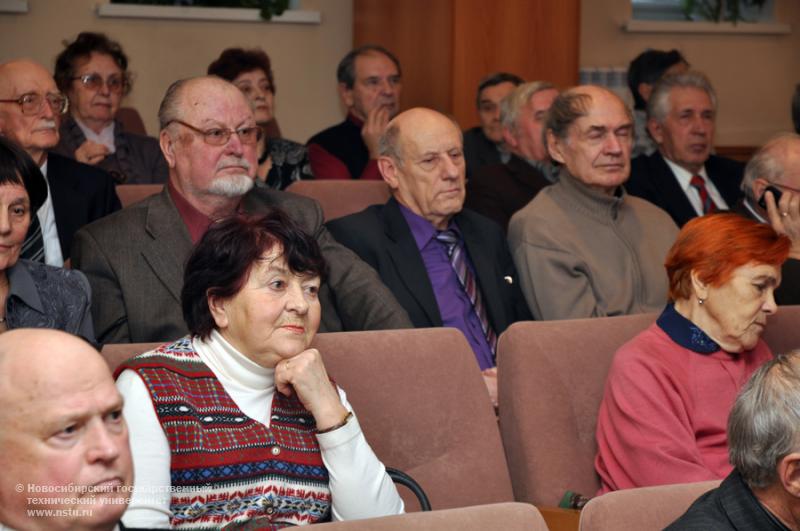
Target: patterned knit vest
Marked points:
231	469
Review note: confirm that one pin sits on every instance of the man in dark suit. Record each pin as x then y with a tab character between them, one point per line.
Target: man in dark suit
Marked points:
777	165
483	144
30	105
134	259
446	266
763	491
683	177
499	190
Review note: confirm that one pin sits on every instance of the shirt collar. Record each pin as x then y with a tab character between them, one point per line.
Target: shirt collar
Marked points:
22	286
422	229
355	119
105	137
683	176
684	332
753	211
195	221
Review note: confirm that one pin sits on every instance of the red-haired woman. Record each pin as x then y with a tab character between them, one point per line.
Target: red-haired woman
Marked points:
670	389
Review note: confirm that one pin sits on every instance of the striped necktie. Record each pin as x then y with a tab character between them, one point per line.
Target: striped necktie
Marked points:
33	246
709	207
458	259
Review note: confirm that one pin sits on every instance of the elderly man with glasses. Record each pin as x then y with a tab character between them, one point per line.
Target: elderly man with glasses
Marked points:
771	187
134	259
30	105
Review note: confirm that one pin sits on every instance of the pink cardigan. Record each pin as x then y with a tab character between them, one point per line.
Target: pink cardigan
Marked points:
665	410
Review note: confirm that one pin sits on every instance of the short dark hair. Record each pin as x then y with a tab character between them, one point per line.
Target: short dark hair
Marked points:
235	61
495	79
223	258
648	67
82	47
17	167
346	71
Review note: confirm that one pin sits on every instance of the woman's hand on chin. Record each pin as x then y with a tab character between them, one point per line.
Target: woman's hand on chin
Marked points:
91	152
305	375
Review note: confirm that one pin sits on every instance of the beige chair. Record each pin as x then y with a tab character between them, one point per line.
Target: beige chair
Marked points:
423	406
550	383
505	516
131	120
643	508
133	193
339	198
424	409
551	377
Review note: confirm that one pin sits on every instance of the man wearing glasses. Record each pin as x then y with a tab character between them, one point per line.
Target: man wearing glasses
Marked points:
30	106
771	187
134	259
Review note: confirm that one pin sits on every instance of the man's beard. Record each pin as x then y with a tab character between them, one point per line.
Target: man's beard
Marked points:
231	186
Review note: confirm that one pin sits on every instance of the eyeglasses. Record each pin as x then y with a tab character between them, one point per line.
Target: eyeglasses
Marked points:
94	81
33	103
784	187
219	137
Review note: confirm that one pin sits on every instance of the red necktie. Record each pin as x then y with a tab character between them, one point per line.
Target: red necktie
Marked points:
709	207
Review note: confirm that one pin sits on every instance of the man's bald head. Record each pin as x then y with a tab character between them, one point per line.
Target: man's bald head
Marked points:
36	131
60	424
776	163
422	160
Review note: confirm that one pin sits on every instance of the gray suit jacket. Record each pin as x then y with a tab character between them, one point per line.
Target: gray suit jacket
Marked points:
134	261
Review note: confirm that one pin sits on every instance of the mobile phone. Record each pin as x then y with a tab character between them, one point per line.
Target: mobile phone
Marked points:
775	193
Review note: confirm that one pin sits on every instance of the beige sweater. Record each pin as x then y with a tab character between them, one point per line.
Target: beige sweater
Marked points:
581	253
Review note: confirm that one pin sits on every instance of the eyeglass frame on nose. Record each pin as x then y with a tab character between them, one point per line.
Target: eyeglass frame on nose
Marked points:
93	78
41	101
227	133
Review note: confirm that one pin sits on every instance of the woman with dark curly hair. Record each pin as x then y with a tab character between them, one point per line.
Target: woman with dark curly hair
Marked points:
238	423
92	72
280	161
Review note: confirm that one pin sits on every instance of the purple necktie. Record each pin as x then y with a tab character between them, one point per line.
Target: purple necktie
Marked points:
459	262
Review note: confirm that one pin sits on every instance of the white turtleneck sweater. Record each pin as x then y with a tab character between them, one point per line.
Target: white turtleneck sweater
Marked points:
360	487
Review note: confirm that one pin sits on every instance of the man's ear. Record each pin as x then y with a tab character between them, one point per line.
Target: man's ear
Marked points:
656	130
789	473
700	287
167	145
555	147
388	168
347	95
218	311
759	187
509	139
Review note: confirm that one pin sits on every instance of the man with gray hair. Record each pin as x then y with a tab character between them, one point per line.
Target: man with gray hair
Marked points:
499	190
683	177
771	187
763	491
583	247
134	259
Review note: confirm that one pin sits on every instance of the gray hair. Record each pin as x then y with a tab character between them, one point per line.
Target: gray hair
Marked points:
518	98
389	144
767	163
168	110
764	424
658	104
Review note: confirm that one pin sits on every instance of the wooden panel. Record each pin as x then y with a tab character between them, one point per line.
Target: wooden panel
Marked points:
420	34
535	39
740	153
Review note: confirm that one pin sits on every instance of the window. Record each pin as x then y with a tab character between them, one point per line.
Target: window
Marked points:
673	10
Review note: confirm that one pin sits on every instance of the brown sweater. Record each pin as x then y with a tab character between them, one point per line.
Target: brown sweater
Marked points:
581	253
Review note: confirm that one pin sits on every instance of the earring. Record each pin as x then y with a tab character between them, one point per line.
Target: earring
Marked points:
700	301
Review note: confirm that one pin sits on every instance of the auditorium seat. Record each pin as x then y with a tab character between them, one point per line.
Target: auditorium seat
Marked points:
131	120
116	353
551	378
339	198
133	193
424	408
643	508
505	516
